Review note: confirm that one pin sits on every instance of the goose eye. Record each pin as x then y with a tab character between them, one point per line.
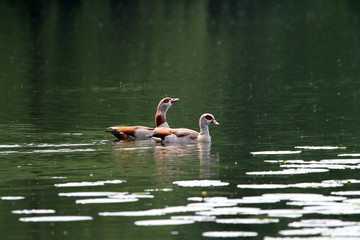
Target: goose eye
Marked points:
166	100
208	117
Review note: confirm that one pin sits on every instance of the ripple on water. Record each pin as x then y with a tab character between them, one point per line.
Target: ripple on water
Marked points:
105	200
200	183
8	152
333	209
132	195
229	234
56	219
223	201
159	190
302	197
289	171
319	147
60	145
247	220
345	232
321	222
88	184
304	231
195	218
262	186
231	211
295	185
163	222
158	212
10	146
308	238
64	150
349	155
346	193
12	197
134	148
90	194
274	152
34	211
320	165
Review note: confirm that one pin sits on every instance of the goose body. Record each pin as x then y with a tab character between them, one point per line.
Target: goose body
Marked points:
142	132
185	135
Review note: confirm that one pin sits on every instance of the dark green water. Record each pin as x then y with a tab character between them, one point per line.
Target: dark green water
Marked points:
276	75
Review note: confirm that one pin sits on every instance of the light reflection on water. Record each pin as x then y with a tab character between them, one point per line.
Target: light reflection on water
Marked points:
216	208
151	185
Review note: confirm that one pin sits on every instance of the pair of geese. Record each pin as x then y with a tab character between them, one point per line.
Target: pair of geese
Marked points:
163	133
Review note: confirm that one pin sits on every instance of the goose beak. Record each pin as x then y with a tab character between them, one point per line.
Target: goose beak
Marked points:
174	100
215	122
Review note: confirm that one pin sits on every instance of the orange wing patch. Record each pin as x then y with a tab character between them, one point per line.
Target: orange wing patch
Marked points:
162	131
130	130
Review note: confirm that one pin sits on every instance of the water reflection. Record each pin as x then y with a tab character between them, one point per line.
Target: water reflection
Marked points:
171	160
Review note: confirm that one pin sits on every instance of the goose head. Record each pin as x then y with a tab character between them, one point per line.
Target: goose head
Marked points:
207	119
166	103
204	122
163	107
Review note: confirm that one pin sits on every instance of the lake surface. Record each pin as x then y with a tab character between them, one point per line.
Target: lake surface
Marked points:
281	77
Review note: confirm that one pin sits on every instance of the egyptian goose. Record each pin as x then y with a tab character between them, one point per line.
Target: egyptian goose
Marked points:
185	135
141	132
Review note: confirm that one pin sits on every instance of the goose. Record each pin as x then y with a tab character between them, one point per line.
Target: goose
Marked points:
185	135
142	132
